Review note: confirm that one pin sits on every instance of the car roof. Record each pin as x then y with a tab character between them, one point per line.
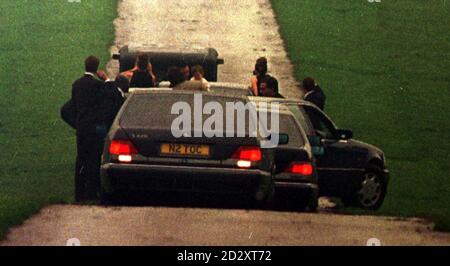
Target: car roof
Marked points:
214	86
282	109
279	100
228	85
289	101
170	91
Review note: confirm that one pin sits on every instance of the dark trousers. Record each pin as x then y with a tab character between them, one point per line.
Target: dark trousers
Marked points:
87	166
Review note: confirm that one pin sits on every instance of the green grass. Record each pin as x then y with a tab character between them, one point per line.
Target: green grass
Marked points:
385	68
42	48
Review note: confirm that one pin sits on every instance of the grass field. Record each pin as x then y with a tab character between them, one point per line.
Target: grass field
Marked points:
385	68
42	48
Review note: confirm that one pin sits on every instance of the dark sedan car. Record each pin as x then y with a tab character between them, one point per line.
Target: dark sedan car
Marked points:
295	176
142	154
349	169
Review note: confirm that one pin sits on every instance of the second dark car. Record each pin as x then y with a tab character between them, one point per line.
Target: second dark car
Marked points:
347	168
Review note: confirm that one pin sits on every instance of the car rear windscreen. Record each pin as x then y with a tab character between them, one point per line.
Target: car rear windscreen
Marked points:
160	110
286	125
289	125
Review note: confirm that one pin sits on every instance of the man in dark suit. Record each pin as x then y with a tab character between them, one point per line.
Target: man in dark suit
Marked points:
88	92
113	99
313	93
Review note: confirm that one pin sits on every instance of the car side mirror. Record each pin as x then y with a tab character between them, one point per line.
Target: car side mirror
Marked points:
316	145
344	134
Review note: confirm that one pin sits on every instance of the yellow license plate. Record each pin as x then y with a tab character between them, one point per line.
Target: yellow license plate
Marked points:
185	150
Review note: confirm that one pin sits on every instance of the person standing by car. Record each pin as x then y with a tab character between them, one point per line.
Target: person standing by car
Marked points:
185	70
113	99
177	81
198	75
259	74
141	76
269	88
88	93
313	93
174	76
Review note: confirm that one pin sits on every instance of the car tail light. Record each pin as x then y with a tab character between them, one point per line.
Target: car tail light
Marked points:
301	168
124	149
248	153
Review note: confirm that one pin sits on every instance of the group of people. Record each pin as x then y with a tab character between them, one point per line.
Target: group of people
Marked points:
263	84
96	100
142	76
179	77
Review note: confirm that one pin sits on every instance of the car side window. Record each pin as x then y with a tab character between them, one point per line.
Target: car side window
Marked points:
322	125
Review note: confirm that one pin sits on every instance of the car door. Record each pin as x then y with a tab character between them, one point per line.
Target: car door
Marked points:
334	164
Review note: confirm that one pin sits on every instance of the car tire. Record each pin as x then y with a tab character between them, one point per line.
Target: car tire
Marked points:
371	191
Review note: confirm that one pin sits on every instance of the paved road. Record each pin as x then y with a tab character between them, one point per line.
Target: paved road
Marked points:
198	226
241	31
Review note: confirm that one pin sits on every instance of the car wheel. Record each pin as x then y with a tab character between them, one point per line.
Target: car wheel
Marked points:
371	191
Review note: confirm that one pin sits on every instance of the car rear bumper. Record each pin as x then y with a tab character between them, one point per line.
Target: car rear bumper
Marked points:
183	178
302	193
303	188
296	183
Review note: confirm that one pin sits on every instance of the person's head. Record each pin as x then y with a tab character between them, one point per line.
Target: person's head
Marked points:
261	66
269	87
185	70
91	64
308	84
197	72
142	61
174	76
123	83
